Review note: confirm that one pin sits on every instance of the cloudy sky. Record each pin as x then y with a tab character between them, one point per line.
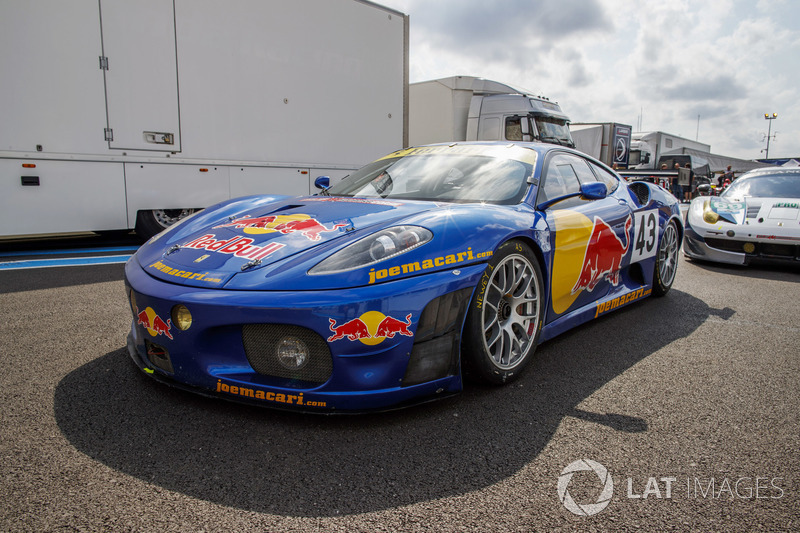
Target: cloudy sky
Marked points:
652	64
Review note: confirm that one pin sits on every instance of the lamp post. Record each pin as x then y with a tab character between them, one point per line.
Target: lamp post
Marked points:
769	117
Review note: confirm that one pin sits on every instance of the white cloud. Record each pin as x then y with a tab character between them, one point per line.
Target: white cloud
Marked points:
661	63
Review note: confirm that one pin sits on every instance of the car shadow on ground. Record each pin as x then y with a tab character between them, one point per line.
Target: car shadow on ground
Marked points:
304	465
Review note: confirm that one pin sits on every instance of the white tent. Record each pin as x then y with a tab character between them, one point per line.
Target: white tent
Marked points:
719	163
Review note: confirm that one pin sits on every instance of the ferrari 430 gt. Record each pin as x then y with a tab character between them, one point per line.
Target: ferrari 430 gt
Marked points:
388	287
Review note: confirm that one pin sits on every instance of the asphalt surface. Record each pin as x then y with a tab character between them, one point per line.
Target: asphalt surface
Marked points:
690	402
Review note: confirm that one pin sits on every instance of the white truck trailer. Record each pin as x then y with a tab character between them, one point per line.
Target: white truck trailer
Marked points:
466	108
607	141
118	115
647	147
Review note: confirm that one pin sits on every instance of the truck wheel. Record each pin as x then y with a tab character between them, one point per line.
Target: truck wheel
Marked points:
152	222
505	316
666	260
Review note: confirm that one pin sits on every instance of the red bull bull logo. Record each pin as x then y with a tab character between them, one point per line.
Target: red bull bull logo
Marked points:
603	258
353	329
153	323
371	328
307	226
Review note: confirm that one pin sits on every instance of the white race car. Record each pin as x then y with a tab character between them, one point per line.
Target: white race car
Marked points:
756	218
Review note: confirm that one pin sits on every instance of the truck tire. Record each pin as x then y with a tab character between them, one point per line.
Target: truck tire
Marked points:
154	221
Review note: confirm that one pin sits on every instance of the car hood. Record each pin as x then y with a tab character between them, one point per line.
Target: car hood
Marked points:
766	212
271	243
211	252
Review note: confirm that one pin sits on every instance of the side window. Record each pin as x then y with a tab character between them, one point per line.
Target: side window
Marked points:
513	129
611	181
560	179
582	169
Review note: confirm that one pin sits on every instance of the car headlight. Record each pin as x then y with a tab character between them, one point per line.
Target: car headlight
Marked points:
293	353
378	247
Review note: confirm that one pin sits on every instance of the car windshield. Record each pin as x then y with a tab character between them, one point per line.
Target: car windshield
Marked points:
778	185
462	178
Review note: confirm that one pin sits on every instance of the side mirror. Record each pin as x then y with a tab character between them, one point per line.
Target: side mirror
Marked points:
322	182
595	190
525	127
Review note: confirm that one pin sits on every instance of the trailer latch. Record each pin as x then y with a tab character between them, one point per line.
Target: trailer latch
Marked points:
155	137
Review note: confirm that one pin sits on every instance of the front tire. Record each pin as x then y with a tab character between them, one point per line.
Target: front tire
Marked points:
666	260
505	316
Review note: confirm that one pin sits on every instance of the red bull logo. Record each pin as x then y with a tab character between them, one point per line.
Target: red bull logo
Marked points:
370	328
237	246
603	257
307	226
153	323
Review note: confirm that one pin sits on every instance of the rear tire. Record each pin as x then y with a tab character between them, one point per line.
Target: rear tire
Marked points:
505	316
666	260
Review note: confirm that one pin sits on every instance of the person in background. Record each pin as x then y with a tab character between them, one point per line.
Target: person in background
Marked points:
677	190
727	176
726	179
688	192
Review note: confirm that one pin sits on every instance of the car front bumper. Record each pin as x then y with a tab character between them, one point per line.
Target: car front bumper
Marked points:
695	247
369	348
698	244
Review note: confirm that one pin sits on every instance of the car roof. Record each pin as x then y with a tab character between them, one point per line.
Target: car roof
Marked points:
775	171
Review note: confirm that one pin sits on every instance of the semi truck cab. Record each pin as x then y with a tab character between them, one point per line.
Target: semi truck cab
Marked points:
466	108
521	117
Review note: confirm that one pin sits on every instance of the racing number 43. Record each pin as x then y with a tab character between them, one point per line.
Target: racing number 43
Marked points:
645	235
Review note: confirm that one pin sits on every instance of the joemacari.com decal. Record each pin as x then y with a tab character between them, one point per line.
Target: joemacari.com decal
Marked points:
427	264
269	396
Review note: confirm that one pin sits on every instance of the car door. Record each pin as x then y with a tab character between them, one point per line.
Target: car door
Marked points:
590	238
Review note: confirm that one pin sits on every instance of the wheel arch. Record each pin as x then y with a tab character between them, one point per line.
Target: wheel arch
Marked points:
678	223
544	265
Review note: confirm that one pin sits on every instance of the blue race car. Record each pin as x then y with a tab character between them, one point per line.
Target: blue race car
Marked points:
426	266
